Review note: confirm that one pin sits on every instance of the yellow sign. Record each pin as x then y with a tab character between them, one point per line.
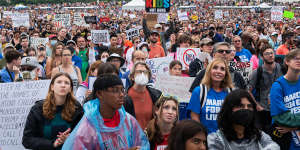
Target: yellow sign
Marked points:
194	17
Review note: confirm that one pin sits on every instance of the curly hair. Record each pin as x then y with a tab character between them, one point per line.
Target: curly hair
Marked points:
153	131
225	122
49	106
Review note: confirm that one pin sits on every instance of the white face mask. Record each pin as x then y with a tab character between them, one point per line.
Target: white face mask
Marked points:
141	79
104	59
28	75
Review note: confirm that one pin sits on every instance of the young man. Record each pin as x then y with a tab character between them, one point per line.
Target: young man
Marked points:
285	97
155	50
13	62
288	43
105	124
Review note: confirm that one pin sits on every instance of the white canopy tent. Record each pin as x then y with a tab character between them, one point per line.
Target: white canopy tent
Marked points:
134	5
287	1
264	5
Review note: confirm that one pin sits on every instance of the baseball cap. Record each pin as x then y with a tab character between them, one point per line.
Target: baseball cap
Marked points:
298	27
157	26
115	55
274	33
206	41
154	32
9	45
71	41
30	61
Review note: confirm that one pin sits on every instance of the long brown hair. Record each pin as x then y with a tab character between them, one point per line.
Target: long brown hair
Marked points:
226	83
49	106
53	61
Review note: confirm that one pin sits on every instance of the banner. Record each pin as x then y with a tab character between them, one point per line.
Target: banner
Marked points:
244	68
187	55
79	19
288	14
20	19
158	6
159	66
16	100
175	86
100	36
218	14
35	42
90	19
182	16
276	13
132	33
62	20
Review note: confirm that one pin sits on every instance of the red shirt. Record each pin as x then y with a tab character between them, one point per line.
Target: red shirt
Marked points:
164	144
114	121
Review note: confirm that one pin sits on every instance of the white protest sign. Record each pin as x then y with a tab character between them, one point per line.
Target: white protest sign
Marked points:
132	16
226	13
100	36
91	82
276	13
244	68
62	20
159	66
218	14
162	18
79	19
20	19
37	41
187	55
183	16
132	33
16	100
175	86
7	14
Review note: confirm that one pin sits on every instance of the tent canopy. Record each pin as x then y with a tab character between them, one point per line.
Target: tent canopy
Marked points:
264	5
134	5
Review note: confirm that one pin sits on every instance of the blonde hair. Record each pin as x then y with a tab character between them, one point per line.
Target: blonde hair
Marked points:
227	81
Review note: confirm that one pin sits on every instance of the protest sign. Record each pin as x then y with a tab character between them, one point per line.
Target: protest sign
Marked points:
132	33
104	19
288	14
100	36
244	68
91	82
79	19
132	16
151	20
194	17
159	66
7	14
158	6
90	19
226	13
20	19
276	13
62	20
15	105
187	55
37	41
162	18
182	16
218	14
175	86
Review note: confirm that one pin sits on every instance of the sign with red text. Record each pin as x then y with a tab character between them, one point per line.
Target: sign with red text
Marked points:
244	68
159	66
276	13
62	20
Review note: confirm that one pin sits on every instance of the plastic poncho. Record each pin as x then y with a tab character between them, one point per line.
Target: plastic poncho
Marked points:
92	134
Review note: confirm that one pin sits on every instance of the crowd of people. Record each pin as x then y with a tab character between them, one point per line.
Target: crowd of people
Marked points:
124	111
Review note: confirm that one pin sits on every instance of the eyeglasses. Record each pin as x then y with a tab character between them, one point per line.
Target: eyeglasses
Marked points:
137	42
66	55
237	41
296	58
57	55
221	51
268	53
116	90
27	68
142	71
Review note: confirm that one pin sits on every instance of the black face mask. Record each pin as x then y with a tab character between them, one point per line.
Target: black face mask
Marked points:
243	117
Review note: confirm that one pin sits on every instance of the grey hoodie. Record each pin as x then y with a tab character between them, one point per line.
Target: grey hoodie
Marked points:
217	141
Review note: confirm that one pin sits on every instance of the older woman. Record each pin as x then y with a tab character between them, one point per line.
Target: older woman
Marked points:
50	121
207	99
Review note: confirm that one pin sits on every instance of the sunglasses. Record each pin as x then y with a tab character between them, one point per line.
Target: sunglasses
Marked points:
27	68
221	51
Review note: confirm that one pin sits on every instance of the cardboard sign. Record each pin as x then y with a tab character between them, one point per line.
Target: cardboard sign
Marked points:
158	6
62	20
151	20
159	66
218	14
276	13
244	68
38	41
79	19
288	14
187	55
90	19
175	86
162	18
132	33
182	16
16	100
20	19
100	36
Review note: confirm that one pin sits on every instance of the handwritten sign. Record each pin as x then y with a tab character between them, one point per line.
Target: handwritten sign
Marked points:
159	66
15	105
20	19
35	42
175	86
132	33
218	14
162	18
187	55
90	19
100	36
62	20
244	68
79	19
276	13
182	16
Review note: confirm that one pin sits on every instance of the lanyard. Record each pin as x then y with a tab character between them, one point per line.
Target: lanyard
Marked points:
11	78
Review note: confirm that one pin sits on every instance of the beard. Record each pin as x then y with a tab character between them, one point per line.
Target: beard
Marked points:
153	41
268	62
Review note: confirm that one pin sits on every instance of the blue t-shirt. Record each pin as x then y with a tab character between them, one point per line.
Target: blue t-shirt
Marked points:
5	76
244	55
209	112
286	97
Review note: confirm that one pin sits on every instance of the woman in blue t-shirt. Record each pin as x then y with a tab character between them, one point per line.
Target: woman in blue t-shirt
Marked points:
213	89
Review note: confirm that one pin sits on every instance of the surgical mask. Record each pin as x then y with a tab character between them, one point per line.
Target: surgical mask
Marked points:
243	117
141	79
53	42
28	75
104	59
